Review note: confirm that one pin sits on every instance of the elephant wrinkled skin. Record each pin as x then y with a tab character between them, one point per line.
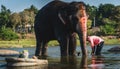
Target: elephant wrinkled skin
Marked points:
58	21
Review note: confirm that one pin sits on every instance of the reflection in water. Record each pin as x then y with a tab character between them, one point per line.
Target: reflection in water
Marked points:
83	63
70	63
97	62
30	67
69	60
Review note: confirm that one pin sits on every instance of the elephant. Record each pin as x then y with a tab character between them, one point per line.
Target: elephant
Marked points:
60	21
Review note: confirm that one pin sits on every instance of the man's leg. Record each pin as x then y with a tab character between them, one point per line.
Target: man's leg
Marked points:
99	48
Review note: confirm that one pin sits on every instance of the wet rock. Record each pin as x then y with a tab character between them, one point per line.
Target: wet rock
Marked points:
8	52
13	61
114	49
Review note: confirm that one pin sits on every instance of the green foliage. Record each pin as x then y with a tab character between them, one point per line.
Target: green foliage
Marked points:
116	17
112	41
116	13
4	16
53	43
105	10
7	34
107	30
33	9
17	20
89	23
91	11
89	32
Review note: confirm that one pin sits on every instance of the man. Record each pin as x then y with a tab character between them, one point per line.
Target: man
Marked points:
96	44
24	54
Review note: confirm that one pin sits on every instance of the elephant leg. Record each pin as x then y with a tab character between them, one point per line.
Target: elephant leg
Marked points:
72	45
62	37
38	49
64	59
44	48
64	42
83	45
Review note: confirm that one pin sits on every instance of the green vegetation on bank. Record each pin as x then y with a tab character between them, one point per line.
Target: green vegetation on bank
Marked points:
112	41
17	43
32	43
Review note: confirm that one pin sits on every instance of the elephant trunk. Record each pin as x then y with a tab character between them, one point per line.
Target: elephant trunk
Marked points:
82	26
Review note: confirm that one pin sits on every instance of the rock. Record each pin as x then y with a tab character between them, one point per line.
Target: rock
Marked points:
8	52
34	57
114	49
13	61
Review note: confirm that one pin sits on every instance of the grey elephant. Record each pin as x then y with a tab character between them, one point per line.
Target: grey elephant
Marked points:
59	21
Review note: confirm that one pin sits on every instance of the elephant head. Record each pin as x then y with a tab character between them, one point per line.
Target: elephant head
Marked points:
76	12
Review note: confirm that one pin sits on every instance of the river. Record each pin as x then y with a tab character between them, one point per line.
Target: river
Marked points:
108	60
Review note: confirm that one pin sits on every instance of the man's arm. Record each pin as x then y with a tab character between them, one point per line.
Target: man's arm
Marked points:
92	46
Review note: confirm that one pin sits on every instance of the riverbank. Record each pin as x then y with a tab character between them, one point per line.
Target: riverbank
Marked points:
32	43
17	43
21	43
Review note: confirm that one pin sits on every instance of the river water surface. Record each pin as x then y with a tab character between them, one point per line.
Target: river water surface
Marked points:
108	60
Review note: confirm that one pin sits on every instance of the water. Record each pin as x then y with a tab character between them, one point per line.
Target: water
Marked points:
108	60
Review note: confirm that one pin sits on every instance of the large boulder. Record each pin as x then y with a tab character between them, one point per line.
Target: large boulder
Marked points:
13	61
114	49
4	52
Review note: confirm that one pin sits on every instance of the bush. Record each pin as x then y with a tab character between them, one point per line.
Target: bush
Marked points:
107	30
8	34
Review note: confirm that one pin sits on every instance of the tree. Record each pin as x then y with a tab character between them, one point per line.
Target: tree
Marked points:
108	28
24	20
104	11
4	16
32	9
91	10
31	12
15	20
27	19
116	17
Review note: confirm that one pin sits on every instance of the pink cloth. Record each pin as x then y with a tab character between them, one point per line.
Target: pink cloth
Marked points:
94	40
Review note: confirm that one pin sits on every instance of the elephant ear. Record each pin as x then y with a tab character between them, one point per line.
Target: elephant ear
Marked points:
63	14
65	17
66	12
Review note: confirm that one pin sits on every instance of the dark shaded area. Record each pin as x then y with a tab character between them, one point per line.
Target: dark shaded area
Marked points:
114	49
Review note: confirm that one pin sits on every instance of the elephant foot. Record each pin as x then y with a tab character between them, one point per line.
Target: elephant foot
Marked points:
41	57
44	53
37	55
64	59
64	54
34	57
72	53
